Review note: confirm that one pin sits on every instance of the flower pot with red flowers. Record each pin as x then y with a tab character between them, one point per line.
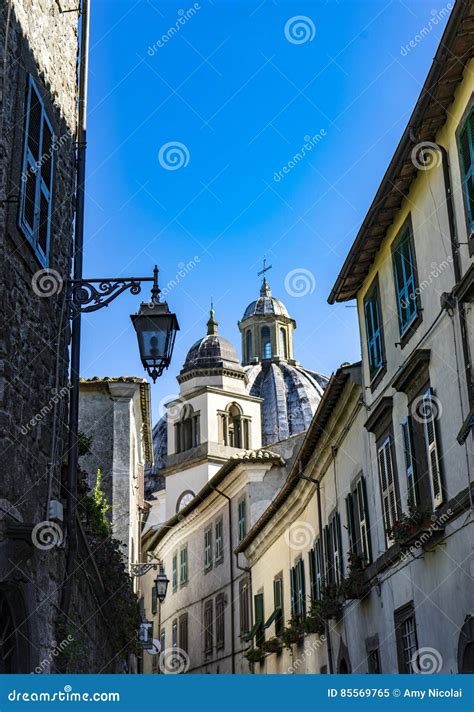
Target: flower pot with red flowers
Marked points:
415	528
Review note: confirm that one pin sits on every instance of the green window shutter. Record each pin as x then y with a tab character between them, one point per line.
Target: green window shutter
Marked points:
404	273
259	619
293	592
175	571
363	517
351	530
467	162
430	411
387	485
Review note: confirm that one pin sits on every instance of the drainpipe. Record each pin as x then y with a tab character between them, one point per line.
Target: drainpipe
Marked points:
231	561
71	495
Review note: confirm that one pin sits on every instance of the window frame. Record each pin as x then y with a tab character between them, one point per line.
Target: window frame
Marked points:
219	537
390	514
183	632
376	372
244	607
183	566
401	616
462	126
242	518
405	237
220	621
28	163
208	549
174	574
208	627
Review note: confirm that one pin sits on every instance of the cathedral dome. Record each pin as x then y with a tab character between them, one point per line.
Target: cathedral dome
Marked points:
290	396
265	305
212	352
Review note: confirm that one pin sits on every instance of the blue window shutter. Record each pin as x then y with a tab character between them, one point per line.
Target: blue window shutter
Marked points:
34	217
467	162
373	325
404	274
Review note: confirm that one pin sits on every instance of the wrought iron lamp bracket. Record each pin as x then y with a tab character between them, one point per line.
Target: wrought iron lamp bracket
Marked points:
88	295
142	569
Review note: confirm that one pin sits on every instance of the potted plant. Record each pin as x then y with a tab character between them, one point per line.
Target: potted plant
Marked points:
416	525
272	645
330	602
355	585
292	634
314	622
254	655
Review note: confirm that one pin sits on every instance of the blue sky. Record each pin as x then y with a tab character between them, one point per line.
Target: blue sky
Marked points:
240	94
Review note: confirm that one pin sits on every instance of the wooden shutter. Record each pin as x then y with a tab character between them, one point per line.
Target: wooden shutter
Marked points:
409	462
329	556
387	485
259	618
318	561
293	592
363	517
278	603
312	574
183	632
430	411
351	530
467	155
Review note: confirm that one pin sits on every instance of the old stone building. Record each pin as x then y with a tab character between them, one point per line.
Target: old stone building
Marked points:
115	413
38	68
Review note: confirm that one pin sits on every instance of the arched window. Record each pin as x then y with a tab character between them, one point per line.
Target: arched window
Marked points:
235	427
187	429
283	344
266	342
248	345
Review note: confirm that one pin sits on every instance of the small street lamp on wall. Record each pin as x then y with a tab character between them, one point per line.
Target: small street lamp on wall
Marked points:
161	584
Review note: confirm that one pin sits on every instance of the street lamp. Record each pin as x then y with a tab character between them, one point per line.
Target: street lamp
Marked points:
156	329
161	584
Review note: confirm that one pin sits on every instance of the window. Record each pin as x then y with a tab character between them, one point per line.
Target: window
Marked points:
174	634
407	439
187	430
467	167
405	287
163	640
234	427
283	344
405	635
244	607
430	412
183	632
174	575
334	563
154	600
208	628
208	548
373	662
35	202
259	619
373	328
390	506
242	520
266	342
278	603
183	566
248	344
219	542
220	621
358	521
298	590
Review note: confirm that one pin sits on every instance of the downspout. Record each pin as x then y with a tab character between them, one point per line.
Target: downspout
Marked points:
231	560
71	494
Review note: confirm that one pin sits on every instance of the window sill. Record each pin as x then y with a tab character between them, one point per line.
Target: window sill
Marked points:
207	569
470	241
219	561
